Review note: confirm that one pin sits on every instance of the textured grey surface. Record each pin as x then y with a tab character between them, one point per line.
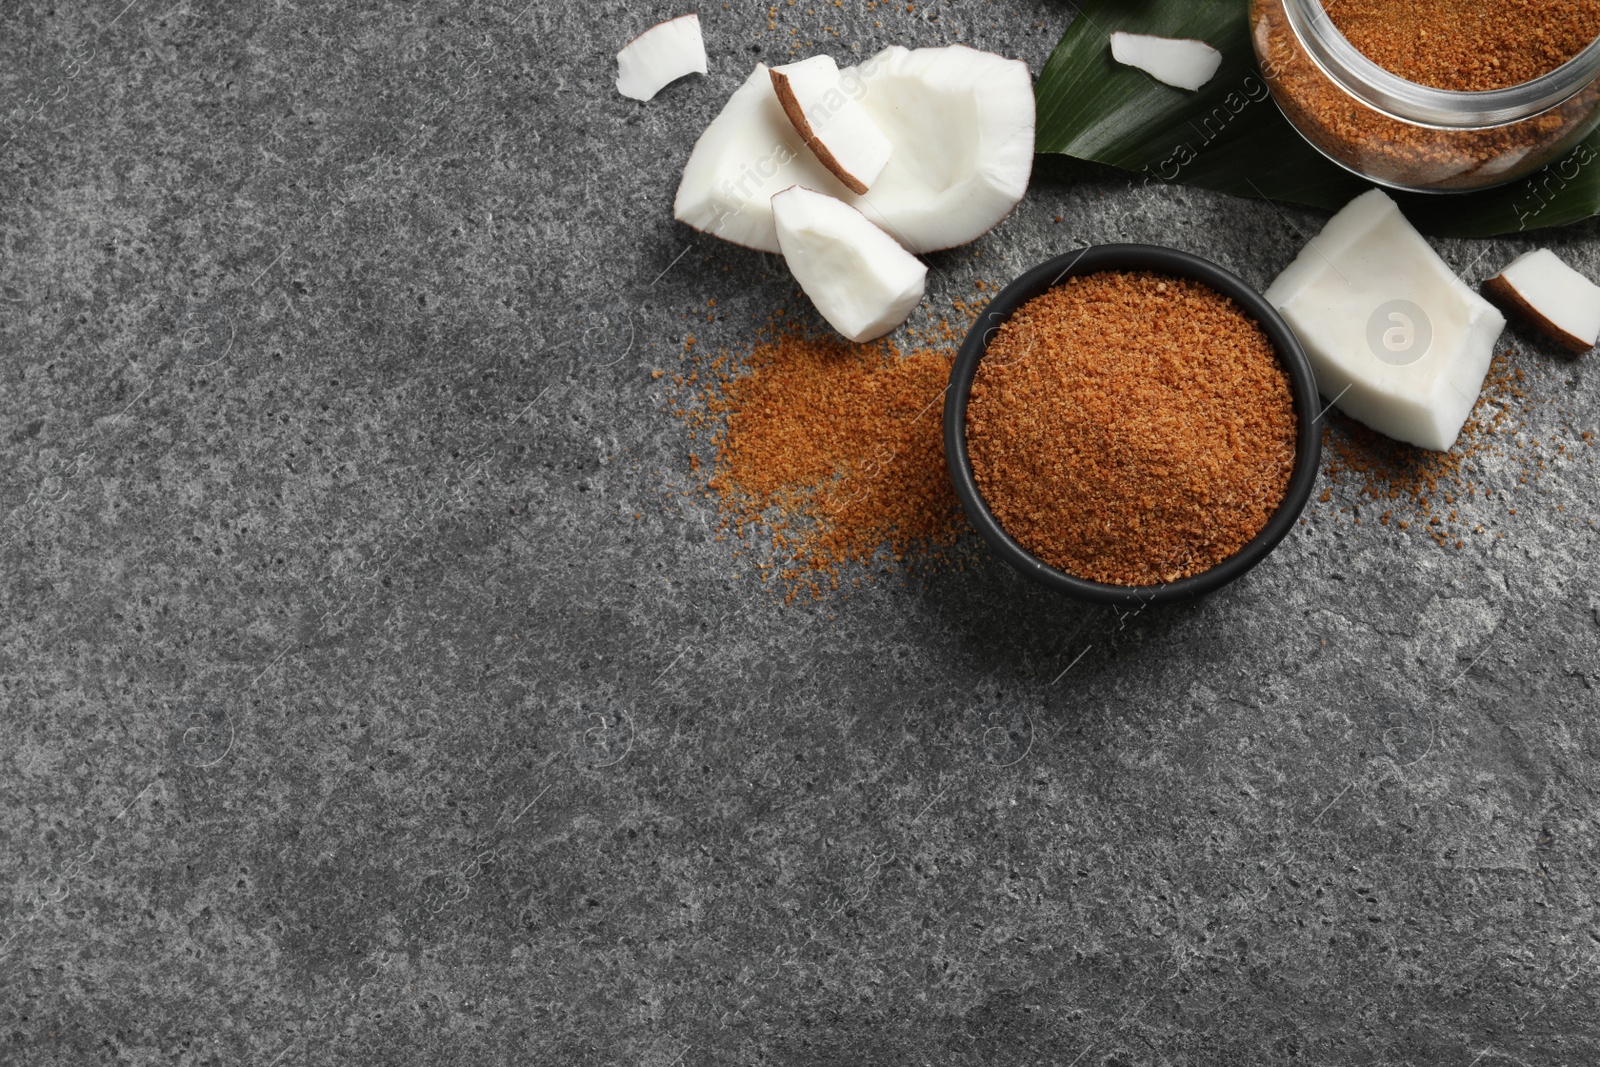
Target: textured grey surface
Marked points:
352	718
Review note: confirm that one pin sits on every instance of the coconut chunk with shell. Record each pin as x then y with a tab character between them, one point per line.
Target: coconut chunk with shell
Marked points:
858	277
1176	61
961	123
749	152
1554	299
660	55
833	125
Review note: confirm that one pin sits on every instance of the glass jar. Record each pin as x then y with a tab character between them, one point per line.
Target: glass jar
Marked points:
1414	137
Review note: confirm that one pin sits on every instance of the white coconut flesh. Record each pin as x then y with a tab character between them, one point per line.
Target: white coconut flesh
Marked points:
859	277
1177	61
661	55
1397	340
1551	296
749	152
833	125
960	123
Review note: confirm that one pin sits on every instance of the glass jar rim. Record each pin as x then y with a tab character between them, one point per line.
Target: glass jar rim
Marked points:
1412	102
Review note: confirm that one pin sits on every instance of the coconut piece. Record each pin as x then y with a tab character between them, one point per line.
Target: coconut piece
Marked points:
833	125
749	152
858	277
1555	299
1177	61
1396	339
961	122
662	54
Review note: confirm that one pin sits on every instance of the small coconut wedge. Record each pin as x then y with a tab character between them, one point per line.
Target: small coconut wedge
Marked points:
1176	61
858	277
961	122
1554	299
660	55
833	125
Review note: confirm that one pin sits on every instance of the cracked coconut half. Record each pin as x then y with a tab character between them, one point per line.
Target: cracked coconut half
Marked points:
959	123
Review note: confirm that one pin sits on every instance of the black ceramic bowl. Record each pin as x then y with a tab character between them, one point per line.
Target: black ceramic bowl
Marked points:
1308	445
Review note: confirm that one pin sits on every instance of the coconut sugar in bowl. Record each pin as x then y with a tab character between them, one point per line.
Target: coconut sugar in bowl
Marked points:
1131	425
1434	95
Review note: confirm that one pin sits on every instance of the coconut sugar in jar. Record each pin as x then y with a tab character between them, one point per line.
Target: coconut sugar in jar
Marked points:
1434	95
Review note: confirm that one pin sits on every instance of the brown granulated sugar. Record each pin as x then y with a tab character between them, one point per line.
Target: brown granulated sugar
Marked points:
1132	428
1446	44
1467	45
830	453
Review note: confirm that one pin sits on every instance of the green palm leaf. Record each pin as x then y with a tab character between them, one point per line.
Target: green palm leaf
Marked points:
1230	136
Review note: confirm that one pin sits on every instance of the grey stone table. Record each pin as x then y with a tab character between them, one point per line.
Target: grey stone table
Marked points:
351	718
